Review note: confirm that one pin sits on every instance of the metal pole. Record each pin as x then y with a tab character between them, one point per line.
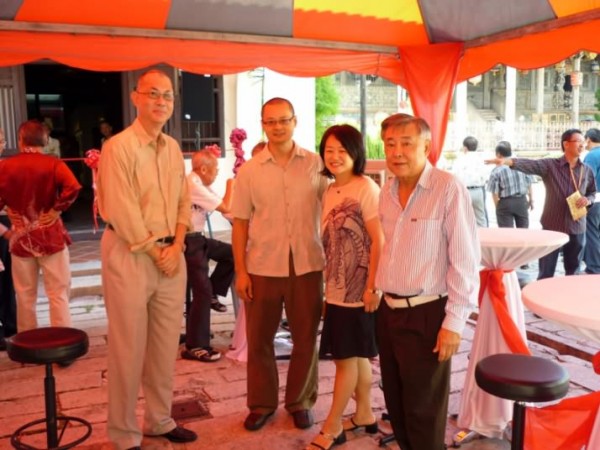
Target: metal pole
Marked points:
363	108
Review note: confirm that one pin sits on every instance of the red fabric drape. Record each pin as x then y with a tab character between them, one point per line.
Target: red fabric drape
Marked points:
491	281
567	425
430	74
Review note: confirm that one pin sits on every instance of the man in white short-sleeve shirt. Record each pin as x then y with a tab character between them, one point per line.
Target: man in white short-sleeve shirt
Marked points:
199	250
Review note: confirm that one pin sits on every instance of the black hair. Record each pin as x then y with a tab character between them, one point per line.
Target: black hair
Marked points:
352	141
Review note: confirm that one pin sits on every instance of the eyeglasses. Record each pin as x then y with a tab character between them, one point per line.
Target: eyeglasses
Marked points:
273	122
155	95
578	141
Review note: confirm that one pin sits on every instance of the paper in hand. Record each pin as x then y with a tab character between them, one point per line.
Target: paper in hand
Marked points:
576	212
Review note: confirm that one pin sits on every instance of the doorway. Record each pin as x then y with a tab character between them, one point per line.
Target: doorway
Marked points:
73	102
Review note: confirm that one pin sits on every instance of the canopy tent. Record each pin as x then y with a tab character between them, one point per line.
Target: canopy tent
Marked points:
423	45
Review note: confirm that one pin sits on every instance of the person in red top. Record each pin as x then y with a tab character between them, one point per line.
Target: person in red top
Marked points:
37	188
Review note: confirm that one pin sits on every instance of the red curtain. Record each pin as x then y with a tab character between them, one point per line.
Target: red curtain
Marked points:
430	74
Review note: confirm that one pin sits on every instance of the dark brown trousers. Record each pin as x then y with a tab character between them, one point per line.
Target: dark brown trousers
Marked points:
302	298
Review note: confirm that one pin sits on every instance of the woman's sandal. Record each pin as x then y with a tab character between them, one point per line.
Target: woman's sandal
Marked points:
324	441
351	425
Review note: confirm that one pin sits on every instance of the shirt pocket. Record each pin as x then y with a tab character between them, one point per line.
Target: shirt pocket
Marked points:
428	235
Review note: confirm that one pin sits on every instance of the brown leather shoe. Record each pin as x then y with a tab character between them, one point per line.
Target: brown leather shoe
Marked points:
255	421
303	418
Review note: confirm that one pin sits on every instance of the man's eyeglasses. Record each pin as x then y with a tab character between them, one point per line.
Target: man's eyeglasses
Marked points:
273	122
155	95
579	141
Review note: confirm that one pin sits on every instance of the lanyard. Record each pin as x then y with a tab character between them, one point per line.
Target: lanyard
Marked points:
576	185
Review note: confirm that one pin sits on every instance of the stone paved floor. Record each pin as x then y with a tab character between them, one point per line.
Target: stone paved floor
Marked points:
221	386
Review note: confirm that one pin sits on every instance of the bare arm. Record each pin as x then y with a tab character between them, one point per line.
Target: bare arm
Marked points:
371	299
239	241
496	198
530	195
225	206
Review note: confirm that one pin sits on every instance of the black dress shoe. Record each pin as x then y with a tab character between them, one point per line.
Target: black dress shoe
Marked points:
303	419
255	421
180	434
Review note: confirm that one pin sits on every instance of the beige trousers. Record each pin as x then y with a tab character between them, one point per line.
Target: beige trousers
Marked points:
57	283
145	312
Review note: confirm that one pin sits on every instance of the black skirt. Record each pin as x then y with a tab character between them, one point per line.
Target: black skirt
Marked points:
347	333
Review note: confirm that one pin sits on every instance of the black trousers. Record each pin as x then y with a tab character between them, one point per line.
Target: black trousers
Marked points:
8	303
513	211
572	257
199	251
415	384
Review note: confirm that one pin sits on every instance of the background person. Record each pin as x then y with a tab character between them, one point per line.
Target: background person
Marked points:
512	192
199	249
52	147
37	188
106	130
8	302
470	169
352	239
143	197
278	263
429	276
591	255
562	178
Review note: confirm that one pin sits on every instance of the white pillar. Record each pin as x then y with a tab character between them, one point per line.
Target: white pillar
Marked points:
575	82
461	118
511	103
539	109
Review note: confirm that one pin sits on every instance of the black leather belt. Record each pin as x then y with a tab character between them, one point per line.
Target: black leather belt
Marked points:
398	297
195	234
162	240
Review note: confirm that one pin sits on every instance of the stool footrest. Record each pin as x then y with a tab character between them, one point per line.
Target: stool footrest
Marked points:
16	438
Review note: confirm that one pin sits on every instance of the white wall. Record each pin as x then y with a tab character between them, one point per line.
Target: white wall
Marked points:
244	95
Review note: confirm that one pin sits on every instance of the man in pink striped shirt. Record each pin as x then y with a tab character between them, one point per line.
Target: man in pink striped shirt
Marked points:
429	278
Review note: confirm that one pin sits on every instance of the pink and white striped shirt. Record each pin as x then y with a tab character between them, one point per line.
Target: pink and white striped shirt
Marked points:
431	247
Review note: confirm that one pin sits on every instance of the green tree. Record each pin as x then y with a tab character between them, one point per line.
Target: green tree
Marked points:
327	102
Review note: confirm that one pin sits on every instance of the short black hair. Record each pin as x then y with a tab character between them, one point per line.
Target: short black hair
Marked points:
277	100
566	136
470	143
593	134
351	139
503	149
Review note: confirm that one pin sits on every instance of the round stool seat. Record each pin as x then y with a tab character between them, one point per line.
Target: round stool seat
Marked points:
47	345
522	378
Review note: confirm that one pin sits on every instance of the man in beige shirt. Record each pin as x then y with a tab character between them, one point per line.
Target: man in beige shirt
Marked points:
278	263
143	196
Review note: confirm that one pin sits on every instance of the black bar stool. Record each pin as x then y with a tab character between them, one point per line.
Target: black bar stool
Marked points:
46	346
521	378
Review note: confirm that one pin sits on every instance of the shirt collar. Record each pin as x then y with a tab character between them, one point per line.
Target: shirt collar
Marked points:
425	180
143	136
266	155
564	162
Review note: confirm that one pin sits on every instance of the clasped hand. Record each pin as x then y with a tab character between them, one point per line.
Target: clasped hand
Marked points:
166	258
